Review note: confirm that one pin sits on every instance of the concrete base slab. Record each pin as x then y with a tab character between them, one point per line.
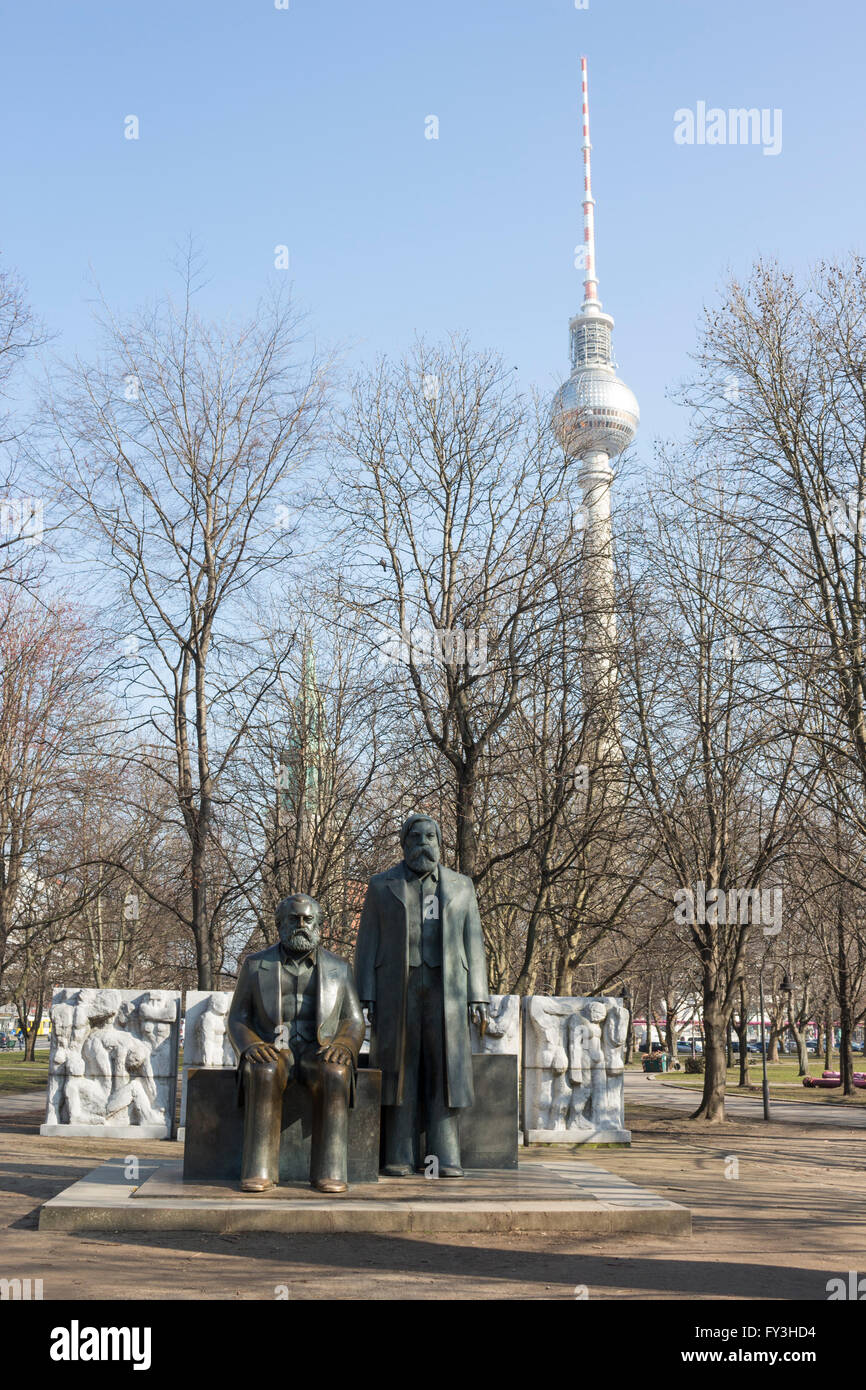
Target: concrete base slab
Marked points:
106	1131
561	1195
591	1139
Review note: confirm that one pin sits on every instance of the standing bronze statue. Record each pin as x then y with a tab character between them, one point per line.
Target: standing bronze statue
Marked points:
422	976
295	1019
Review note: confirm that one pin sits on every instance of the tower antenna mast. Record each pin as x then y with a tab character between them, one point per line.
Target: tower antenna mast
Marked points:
590	282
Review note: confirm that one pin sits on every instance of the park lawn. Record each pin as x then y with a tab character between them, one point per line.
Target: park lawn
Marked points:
776	1071
785	1083
18	1075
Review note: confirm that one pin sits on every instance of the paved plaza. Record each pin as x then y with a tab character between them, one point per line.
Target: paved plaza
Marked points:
640	1088
777	1211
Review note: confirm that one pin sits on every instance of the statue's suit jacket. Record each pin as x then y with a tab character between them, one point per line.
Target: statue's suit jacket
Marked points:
255	1010
382	974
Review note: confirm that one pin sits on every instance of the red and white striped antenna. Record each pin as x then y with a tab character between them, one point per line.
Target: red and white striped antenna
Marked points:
590	282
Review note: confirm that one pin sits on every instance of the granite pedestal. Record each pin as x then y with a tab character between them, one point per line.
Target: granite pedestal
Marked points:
488	1129
213	1142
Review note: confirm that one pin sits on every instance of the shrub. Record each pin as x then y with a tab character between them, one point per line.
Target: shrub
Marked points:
696	1065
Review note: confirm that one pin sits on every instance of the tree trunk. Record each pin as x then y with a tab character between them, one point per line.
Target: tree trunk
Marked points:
712	1106
629	1039
773	1043
797	1021
564	970
743	1039
828	1039
467	846
203	957
29	1033
846	1061
525	982
802	1054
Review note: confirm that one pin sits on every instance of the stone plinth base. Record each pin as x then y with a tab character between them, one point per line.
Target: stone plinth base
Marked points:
106	1131
184	1087
562	1195
489	1134
488	1129
578	1136
214	1135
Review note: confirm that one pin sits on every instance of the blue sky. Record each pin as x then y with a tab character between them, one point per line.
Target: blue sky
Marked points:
305	127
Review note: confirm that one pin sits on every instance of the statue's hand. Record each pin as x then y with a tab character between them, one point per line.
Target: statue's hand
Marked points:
337	1053
261	1052
478	1016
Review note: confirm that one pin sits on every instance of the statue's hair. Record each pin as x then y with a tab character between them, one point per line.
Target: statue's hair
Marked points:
281	906
411	820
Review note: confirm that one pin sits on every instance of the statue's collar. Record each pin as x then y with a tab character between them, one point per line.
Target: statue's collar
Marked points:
412	874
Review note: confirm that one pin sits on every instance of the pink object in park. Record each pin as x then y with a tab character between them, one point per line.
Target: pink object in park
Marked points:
830	1079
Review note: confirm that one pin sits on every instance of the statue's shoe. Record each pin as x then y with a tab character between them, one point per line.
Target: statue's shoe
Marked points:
256	1184
446	1172
329	1185
397	1170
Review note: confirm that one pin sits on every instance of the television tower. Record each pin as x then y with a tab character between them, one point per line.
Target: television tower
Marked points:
595	417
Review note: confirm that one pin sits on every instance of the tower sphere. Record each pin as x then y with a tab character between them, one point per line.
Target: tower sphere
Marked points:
594	412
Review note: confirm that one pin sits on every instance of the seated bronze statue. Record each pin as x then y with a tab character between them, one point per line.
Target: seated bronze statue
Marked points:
295	1019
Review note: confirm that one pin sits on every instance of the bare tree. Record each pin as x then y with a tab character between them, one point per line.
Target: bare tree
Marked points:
782	392
176	450
20	333
714	733
309	803
50	711
448	487
23	519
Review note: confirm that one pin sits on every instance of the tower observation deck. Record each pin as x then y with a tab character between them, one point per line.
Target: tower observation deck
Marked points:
594	412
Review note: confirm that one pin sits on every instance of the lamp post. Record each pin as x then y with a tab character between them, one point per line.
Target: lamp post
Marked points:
765	1084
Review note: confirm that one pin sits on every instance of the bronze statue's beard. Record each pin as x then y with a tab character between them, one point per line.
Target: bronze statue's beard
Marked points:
421	859
301	941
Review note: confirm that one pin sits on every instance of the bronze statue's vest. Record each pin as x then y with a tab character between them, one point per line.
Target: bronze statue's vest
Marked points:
425	937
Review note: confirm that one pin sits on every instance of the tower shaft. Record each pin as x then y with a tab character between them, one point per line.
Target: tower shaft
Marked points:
596	417
598	593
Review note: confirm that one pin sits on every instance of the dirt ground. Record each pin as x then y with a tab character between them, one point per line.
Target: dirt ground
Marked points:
790	1215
